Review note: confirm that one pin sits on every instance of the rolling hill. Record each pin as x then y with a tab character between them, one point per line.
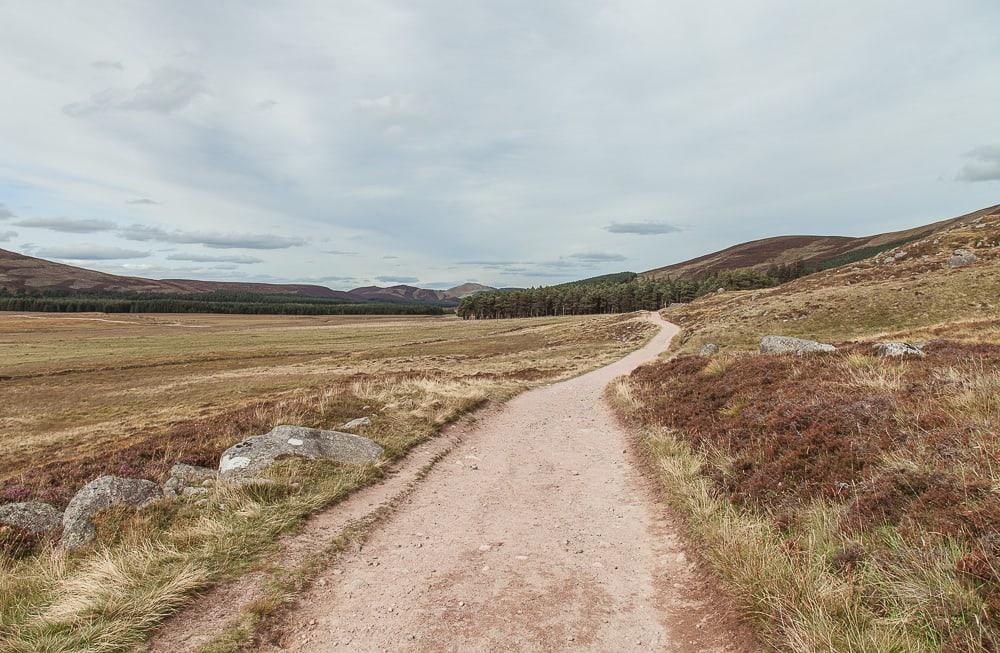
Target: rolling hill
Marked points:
814	251
403	294
19	272
22	273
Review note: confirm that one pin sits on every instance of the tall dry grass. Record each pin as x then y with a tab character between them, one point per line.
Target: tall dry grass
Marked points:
146	565
812	586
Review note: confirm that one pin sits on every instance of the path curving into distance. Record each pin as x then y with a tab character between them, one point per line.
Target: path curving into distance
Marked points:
534	530
537	532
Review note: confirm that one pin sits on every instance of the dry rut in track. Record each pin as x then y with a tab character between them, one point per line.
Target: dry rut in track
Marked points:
536	532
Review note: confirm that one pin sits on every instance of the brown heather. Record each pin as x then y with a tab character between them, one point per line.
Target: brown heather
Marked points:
851	502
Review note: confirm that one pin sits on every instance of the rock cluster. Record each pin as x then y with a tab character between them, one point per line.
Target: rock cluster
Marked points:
789	345
188	479
897	349
961	258
239	462
708	349
100	494
31	516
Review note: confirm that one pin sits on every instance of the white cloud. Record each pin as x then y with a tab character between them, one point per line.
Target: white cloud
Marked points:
598	257
444	131
985	164
215	240
215	258
67	225
643	228
108	65
166	90
390	107
89	252
396	279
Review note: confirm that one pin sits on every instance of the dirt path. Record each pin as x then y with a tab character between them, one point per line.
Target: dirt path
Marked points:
534	534
534	531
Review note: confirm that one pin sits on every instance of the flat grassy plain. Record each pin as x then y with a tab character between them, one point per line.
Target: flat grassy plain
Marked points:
85	395
133	394
851	502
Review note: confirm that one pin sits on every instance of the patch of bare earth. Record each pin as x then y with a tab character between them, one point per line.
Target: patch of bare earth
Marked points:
534	532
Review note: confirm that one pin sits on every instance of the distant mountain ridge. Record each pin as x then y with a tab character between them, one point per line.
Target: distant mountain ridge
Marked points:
403	294
810	250
22	273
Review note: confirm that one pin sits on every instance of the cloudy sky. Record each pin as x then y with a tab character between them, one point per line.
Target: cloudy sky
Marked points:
511	143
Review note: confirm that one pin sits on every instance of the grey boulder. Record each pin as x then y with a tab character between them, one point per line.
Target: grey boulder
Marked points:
961	258
708	349
31	516
356	423
261	451
897	349
789	345
100	494
183	476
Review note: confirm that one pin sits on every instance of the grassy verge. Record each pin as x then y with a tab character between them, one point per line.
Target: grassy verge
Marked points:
852	502
254	623
915	293
148	564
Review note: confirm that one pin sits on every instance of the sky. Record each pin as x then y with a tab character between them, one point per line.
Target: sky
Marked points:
511	143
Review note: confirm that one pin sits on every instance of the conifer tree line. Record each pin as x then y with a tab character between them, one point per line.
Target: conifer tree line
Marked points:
224	302
637	294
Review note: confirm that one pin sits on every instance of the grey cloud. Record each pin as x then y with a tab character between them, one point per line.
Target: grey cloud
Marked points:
391	279
89	252
389	257
144	201
985	165
563	263
390	107
108	65
5	213
534	141
167	89
488	263
642	228
597	257
541	274
339	252
7	236
332	278
214	240
68	225
215	258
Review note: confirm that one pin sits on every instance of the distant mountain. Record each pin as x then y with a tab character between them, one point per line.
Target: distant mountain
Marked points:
614	277
467	289
403	294
26	273
19	272
811	250
400	294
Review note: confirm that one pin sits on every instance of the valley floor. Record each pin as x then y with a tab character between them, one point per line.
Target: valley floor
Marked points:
533	533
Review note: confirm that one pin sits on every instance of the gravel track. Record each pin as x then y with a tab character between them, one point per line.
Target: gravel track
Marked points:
537	532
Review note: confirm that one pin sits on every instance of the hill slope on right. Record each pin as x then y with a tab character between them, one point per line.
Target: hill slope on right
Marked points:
814	252
852	497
